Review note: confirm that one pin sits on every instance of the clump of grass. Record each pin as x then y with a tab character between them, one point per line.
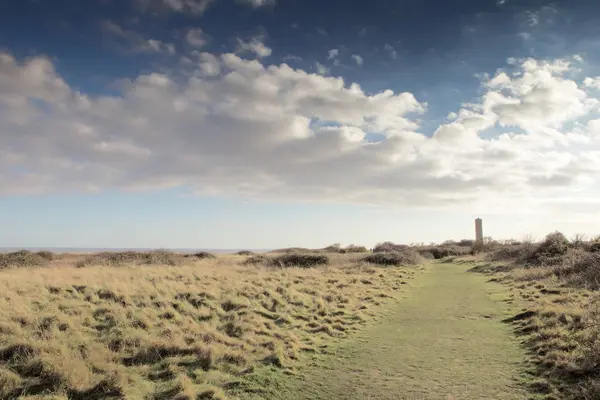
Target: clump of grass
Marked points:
400	258
25	258
303	260
115	259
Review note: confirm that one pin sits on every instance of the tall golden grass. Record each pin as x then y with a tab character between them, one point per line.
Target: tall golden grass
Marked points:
179	331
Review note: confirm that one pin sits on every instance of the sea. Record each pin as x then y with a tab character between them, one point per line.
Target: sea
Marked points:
114	249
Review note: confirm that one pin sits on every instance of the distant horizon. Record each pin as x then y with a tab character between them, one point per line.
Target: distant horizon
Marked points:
61	249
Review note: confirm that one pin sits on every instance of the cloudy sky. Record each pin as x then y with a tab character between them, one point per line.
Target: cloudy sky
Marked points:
270	123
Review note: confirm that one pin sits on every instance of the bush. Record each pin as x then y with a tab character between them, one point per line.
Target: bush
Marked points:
256	259
47	255
439	252
356	249
157	257
245	253
290	250
549	251
594	246
400	258
387	247
512	253
202	255
299	260
22	258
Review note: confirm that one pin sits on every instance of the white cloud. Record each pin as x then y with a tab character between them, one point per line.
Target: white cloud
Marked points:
196	37
257	131
255	45
592	82
391	51
333	53
197	7
359	60
209	64
321	69
257	3
134	42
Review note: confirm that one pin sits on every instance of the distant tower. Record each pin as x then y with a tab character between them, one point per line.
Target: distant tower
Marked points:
479	231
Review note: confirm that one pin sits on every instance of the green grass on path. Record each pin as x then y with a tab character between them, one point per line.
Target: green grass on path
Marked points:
445	339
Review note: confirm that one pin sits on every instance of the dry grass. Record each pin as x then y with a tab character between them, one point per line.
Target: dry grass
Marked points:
186	331
558	284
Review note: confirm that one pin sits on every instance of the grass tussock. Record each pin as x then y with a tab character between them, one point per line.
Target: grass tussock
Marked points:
190	331
559	282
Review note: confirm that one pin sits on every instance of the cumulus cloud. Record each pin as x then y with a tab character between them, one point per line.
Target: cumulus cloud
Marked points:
196	37
132	41
255	45
333	53
358	59
271	131
592	82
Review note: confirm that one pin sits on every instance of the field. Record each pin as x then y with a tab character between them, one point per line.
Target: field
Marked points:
164	326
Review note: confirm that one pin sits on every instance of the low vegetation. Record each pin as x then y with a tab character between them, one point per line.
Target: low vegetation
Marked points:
24	258
398	258
558	280
166	326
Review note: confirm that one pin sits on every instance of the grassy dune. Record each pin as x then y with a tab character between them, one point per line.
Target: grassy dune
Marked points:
190	329
556	283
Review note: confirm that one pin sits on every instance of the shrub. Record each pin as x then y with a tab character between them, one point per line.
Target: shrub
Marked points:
386	247
586	270
594	246
47	255
256	259
305	260
334	248
290	250
466	243
439	252
245	253
554	245
512	253
407	257
22	258
356	249
156	257
202	255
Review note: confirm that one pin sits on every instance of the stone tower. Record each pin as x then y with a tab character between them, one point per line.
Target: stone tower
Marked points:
479	231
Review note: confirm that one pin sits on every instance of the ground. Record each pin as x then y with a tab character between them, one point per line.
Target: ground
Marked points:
444	339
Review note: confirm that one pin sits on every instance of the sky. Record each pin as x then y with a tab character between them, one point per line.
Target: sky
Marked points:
276	123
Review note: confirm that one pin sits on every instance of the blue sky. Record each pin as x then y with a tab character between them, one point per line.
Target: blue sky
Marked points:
271	123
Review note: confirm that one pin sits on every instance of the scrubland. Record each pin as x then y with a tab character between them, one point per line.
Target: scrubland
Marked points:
556	282
160	325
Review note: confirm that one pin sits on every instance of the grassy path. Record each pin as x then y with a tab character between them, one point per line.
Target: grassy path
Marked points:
445	339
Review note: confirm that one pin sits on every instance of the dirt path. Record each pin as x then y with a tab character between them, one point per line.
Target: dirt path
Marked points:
444	340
